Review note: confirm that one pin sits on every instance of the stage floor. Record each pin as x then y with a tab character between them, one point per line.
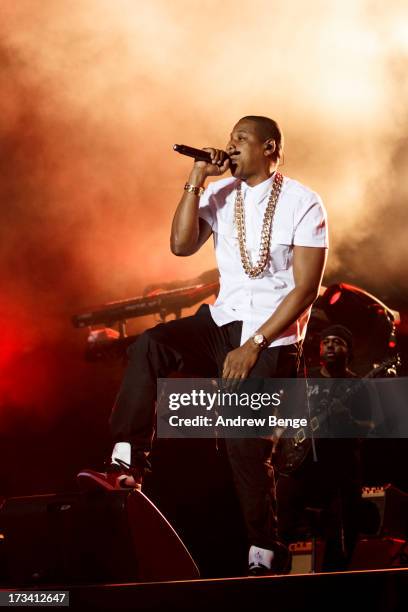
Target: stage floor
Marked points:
375	591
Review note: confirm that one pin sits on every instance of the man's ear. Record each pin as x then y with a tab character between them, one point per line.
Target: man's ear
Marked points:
269	147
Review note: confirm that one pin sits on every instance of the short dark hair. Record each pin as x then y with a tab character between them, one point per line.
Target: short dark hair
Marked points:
268	128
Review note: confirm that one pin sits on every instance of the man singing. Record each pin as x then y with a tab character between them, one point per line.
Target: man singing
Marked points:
270	240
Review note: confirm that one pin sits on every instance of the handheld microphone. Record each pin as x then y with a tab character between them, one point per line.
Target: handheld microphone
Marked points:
198	154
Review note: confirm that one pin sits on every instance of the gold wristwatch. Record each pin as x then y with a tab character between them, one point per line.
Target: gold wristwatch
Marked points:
260	341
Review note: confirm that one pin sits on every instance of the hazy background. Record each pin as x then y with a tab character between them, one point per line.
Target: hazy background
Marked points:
94	93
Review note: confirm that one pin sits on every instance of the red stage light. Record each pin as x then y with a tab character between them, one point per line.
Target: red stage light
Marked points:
335	297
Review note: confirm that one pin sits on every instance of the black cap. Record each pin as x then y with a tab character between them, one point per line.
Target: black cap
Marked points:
341	332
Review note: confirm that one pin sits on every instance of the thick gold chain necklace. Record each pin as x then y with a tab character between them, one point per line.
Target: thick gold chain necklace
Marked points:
256	270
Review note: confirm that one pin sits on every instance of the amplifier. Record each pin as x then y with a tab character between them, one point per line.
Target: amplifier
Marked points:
379	553
384	512
383	529
305	554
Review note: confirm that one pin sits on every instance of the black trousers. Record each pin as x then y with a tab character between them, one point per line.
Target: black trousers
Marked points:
197	345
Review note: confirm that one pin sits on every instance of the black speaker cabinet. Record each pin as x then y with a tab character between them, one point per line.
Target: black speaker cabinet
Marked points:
384	529
379	553
384	512
78	538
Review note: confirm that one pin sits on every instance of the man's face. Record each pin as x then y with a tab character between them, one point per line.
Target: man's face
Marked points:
246	150
333	349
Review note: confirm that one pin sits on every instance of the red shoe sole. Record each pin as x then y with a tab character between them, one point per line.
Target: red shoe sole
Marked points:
88	480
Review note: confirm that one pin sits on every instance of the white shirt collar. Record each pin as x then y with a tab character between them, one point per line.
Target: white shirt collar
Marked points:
258	192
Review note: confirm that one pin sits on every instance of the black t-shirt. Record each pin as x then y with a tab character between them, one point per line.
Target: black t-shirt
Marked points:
342	408
350	417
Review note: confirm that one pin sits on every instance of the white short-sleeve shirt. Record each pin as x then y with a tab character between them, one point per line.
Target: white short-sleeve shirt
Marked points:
300	219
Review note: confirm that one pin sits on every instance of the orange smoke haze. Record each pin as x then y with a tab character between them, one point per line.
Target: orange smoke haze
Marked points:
95	93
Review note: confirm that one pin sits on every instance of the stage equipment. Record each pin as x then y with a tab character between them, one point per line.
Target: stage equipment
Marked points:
372	323
383	534
384	512
164	303
352	306
379	553
307	556
162	298
205	278
79	538
383	529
